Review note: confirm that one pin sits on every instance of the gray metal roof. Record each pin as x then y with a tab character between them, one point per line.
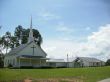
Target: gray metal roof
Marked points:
88	59
56	60
19	48
29	56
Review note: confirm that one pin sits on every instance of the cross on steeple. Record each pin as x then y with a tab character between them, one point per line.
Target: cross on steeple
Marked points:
33	49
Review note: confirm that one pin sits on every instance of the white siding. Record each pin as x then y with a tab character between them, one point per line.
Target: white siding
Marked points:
57	64
29	51
85	63
9	60
60	64
71	64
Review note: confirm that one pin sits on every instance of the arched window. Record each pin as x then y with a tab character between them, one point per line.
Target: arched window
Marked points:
13	61
8	62
5	62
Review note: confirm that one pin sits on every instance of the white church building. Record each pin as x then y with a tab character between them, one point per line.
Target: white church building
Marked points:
29	54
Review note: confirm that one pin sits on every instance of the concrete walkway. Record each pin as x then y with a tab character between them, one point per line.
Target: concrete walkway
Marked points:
105	80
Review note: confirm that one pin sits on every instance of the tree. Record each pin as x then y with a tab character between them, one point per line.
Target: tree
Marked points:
1	54
8	41
1	60
23	34
5	41
14	42
108	62
18	31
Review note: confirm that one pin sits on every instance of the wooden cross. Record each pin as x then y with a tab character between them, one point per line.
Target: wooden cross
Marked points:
33	49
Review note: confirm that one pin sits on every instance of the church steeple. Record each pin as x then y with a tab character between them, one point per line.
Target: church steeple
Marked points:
31	38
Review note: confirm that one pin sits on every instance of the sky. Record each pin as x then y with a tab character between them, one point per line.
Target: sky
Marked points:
73	27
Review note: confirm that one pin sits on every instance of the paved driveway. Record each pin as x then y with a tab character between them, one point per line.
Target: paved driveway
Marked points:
105	80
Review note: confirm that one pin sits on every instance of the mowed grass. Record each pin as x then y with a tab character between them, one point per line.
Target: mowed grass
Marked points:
90	74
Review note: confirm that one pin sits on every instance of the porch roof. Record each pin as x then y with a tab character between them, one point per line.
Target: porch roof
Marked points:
34	57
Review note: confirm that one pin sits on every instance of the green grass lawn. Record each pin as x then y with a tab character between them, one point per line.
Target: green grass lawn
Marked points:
91	74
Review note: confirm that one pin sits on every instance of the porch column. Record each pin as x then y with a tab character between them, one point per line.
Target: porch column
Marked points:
19	62
40	62
30	62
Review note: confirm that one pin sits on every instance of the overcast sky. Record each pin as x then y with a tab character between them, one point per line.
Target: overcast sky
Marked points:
76	27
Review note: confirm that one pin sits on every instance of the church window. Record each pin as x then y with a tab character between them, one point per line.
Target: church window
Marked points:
8	62
5	62
13	61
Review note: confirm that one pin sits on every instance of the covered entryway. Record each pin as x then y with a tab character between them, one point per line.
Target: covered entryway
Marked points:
31	61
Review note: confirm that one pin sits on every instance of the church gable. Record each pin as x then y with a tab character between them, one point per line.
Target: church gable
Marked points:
32	49
29	54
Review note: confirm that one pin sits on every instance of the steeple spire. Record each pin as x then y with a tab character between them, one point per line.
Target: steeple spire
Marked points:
31	23
31	38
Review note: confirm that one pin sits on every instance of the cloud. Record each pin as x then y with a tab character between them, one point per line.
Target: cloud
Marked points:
61	48
102	35
97	45
100	40
61	27
45	15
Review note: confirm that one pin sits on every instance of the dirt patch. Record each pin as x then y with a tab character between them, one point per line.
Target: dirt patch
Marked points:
55	80
27	80
49	80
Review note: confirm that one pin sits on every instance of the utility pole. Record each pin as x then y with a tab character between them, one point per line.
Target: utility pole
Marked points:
67	61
